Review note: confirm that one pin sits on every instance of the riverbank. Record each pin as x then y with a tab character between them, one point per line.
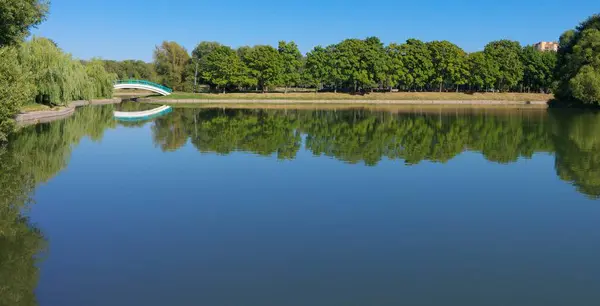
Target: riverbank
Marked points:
43	116
377	96
399	98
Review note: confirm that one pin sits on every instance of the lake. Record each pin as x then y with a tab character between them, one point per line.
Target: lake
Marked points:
363	206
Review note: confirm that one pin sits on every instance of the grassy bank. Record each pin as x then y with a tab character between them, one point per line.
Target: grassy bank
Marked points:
372	96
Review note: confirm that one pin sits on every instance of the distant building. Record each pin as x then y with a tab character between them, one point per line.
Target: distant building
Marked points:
546	46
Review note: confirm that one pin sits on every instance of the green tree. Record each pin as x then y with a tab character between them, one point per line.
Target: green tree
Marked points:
170	61
101	82
396	69
416	59
481	71
538	69
291	59
204	48
18	16
58	78
351	58
578	68
317	68
264	65
449	63
223	68
16	88
508	68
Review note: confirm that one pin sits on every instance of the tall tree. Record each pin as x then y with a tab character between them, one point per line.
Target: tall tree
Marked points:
578	68
264	65
318	70
396	69
18	16
170	61
351	56
378	62
222	67
204	48
416	58
538	68
291	61
508	68
16	88
481	71
58	78
449	63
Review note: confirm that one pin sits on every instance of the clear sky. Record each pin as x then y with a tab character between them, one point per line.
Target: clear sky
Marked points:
129	29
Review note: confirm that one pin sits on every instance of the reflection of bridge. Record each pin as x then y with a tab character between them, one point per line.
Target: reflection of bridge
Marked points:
144	85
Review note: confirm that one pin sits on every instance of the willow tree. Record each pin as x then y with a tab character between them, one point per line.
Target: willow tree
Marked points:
16	89
100	81
57	77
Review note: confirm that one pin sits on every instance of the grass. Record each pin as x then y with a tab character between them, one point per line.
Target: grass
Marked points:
394	108
371	96
34	107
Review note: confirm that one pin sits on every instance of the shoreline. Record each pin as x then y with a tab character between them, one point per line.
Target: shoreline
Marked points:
348	102
35	117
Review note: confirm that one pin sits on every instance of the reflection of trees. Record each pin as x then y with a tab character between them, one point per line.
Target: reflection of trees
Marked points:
20	242
46	148
36	155
577	143
356	135
225	131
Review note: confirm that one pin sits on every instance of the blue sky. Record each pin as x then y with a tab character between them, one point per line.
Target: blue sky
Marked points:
129	29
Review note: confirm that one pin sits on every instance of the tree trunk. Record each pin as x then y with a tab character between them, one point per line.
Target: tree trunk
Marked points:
286	88
440	86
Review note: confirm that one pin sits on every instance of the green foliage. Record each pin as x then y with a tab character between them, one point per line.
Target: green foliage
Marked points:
317	69
16	88
585	86
481	71
170	62
204	48
131	69
417	63
222	67
264	65
507	66
18	16
101	82
59	79
578	69
449	63
20	242
291	60
538	68
577	141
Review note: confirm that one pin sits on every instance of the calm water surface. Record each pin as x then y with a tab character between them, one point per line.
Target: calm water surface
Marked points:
303	207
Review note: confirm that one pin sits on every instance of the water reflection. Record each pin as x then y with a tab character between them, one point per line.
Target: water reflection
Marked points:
36	155
353	136
39	153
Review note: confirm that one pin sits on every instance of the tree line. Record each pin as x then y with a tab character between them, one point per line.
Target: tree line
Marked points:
364	65
355	65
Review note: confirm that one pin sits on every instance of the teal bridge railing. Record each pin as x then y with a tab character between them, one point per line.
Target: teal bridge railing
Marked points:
143	82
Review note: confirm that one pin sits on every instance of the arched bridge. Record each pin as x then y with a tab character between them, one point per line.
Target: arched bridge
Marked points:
145	85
